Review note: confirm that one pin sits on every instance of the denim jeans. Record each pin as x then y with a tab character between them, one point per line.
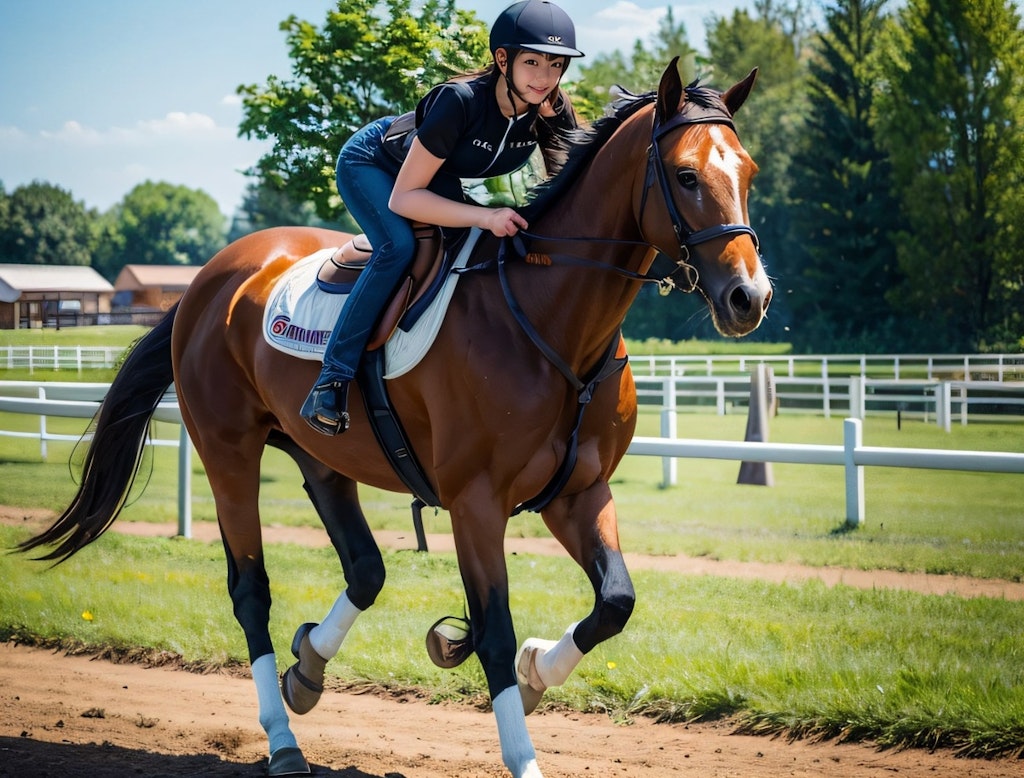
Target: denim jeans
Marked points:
365	179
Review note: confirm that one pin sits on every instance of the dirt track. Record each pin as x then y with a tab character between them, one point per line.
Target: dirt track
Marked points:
62	716
87	717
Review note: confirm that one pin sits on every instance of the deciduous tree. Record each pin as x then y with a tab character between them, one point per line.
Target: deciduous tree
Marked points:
953	120
42	224
369	59
160	224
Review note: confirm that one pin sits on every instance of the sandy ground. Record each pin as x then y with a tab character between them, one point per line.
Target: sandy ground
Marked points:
85	716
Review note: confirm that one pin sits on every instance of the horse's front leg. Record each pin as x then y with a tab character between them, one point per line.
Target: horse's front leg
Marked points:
336	500
479	542
585	524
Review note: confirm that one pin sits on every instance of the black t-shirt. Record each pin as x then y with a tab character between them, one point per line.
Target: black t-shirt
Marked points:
460	122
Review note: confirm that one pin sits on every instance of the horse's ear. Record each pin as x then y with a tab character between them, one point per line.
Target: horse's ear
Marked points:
737	94
670	93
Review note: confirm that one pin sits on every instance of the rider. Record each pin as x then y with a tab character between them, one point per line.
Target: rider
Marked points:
393	171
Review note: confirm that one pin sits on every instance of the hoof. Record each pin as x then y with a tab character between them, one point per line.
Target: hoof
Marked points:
287	761
449	642
303	682
531	687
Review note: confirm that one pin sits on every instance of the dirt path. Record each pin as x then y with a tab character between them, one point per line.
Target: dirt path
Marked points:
76	715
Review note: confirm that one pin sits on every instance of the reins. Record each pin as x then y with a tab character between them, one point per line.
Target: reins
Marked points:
607	365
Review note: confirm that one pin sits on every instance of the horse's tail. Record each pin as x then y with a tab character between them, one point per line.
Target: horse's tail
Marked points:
113	458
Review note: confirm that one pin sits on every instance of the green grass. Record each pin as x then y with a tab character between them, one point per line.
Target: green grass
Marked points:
107	335
916	520
896	667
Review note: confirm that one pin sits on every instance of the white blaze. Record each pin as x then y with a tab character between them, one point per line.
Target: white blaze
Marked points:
725	158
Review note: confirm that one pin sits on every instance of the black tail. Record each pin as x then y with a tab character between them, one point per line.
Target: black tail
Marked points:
115	453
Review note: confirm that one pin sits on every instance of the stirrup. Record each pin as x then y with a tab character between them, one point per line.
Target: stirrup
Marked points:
326	408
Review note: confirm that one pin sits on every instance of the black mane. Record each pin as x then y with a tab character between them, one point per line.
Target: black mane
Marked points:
580	147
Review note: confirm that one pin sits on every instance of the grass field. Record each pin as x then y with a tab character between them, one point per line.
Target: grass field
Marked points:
902	668
916	520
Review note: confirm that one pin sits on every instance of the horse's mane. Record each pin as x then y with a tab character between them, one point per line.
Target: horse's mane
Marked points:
580	146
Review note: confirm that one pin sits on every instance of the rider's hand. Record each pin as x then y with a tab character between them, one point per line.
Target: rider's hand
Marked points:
503	221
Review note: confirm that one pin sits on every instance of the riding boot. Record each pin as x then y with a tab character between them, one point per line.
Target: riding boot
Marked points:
326	408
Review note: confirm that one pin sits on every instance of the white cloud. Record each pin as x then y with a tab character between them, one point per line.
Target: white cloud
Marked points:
231	100
176	126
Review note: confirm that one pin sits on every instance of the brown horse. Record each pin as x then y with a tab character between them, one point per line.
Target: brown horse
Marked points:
489	411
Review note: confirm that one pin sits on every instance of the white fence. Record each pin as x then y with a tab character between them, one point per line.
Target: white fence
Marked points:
855	396
81	401
930	367
59	357
964	367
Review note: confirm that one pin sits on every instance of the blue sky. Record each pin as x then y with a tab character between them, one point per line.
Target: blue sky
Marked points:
96	97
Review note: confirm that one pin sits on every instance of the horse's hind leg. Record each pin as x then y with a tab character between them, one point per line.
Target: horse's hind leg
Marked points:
585	524
336	501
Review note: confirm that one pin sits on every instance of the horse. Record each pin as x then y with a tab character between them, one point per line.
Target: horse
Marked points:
493	411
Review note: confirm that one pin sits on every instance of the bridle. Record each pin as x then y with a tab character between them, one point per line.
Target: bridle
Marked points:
693	112
685	236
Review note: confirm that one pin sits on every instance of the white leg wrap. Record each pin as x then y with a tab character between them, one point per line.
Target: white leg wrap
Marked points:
273	716
555	665
516	747
327	636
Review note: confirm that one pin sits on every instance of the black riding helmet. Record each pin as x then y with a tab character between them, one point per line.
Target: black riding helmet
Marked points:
535	25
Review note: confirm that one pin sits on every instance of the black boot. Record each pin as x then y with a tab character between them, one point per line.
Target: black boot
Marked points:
326	408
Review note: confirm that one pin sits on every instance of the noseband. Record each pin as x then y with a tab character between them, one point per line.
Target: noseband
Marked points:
693	112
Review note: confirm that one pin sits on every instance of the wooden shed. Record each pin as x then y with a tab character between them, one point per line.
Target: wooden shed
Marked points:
153	286
52	296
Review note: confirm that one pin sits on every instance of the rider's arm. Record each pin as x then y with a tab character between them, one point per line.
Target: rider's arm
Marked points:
411	198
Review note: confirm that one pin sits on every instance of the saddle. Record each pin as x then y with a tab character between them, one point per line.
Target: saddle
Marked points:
342	269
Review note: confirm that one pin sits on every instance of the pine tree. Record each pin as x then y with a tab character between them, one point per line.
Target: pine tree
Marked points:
843	212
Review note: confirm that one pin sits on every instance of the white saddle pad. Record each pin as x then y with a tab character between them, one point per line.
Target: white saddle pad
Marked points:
300	317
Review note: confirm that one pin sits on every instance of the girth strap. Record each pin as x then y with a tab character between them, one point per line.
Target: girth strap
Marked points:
608	365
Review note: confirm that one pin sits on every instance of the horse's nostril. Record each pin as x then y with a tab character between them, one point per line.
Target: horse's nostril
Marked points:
740	300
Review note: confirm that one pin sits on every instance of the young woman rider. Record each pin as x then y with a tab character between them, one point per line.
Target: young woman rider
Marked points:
391	172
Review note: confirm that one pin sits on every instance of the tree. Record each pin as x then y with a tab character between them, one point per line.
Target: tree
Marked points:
42	224
160	224
843	211
954	126
370	59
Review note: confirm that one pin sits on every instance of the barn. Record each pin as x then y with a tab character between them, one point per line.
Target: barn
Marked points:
152	287
34	296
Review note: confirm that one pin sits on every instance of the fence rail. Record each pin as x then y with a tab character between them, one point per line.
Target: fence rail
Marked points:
961	367
965	367
59	357
82	401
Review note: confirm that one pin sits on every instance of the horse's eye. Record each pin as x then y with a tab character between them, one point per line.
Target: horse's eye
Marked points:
687	177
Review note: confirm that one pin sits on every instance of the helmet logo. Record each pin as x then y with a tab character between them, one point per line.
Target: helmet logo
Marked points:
554	38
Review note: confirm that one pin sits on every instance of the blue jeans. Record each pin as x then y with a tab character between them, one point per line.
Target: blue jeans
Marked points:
365	179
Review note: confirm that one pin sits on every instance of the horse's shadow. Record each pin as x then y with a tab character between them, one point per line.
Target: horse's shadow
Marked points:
24	756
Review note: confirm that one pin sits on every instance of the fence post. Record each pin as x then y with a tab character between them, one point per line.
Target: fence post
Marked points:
852	439
42	428
761	399
857	396
826	390
669	414
184	483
